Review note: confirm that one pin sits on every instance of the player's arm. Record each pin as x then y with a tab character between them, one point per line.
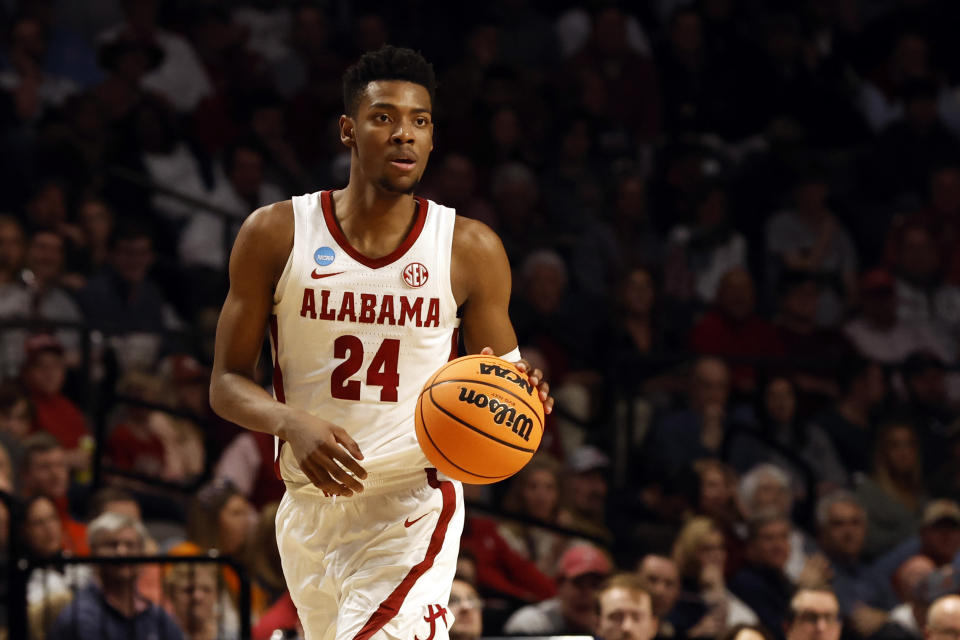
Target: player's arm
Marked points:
481	283
256	263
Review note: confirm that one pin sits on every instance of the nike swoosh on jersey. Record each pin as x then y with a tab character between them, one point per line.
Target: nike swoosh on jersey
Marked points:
408	522
317	276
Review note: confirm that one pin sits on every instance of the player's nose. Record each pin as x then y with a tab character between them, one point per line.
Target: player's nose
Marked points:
403	133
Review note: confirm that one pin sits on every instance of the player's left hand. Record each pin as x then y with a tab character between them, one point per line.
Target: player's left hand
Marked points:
535	376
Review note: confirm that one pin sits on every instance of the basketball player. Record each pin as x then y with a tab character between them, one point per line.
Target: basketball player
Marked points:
360	288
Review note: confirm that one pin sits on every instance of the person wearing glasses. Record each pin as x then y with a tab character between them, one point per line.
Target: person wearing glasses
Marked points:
943	619
814	614
467	609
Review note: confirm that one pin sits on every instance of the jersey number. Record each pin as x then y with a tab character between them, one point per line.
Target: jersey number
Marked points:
382	371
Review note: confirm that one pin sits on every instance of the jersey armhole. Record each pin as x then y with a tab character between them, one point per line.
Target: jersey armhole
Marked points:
288	265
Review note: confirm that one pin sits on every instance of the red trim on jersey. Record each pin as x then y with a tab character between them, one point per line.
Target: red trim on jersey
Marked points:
326	204
391	606
277	382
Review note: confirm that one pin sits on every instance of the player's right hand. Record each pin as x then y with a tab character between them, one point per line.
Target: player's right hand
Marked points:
325	453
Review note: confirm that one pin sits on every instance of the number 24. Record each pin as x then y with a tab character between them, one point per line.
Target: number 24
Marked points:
382	371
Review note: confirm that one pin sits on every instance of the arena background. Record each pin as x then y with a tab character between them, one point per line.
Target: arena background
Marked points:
733	228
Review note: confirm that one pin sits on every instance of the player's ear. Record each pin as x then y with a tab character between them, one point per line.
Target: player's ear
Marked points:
347	131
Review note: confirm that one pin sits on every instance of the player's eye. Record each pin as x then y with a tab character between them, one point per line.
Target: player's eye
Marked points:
383	117
422	122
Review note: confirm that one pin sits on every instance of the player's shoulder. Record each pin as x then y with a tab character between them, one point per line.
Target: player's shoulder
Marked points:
473	235
266	237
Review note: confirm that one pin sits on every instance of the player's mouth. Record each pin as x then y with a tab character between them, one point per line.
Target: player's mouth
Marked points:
404	162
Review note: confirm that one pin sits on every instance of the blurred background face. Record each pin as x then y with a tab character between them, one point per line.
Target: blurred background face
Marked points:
945	190
919	255
711	551
46	474
735	296
771	547
246	173
236	519
578	601
816	617
96	220
545	287
16	419
42	528
540	494
45	373
802	301
710	384
715	491
587	491
12	246
637	293
781	401
123	542
466	607
844	530
45	255
193	596
899	450
770	493
661	579
132	258
625	615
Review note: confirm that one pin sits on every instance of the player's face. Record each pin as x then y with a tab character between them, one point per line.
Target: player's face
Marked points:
391	134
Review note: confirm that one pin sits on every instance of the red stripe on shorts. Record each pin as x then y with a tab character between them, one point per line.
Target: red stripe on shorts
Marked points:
277	383
391	606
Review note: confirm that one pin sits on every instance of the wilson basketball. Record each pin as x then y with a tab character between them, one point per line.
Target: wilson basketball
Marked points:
479	420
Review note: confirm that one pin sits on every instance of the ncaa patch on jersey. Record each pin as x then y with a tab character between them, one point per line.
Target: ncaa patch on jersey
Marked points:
415	275
324	256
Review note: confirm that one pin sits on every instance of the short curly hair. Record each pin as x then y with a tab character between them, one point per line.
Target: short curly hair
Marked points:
386	63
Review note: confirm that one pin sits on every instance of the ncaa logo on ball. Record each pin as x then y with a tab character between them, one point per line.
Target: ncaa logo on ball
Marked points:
324	256
415	275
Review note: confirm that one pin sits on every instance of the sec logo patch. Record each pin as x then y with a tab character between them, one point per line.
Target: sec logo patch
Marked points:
415	275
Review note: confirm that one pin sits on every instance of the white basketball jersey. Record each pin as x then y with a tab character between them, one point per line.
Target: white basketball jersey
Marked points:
354	339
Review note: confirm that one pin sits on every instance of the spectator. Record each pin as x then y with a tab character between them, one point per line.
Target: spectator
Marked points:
191	591
696	431
893	495
660	577
13	249
585	489
766	488
878	334
705	606
44	543
124	303
111	607
133	445
717	499
247	463
809	237
745	632
262	561
573	611
923	296
96	221
33	90
762	583
909	583
467	609
940	531
864	596
806	452
813	615
44	471
929	408
625	610
535	493
850	421
943	619
733	329
699	256
221	518
44	375
16	418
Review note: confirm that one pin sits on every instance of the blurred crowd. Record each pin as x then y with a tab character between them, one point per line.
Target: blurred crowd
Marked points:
733	229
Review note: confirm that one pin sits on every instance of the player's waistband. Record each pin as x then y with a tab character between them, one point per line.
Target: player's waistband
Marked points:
375	484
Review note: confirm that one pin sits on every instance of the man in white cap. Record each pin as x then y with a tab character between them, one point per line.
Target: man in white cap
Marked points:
585	493
581	571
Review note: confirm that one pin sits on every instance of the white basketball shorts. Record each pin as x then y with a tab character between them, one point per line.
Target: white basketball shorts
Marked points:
374	565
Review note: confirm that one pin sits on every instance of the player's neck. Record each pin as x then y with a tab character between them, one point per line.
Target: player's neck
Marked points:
367	203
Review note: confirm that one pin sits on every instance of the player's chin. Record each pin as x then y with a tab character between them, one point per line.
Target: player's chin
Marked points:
405	185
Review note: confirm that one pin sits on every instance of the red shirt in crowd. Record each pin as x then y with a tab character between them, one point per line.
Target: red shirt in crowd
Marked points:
59	417
716	334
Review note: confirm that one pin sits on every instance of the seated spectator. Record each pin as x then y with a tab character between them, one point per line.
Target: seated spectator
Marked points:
928	407
585	489
700	256
13	249
110	607
909	583
943	619
125	304
221	518
877	332
44	543
44	472
850	421
132	444
762	583
247	463
940	531
705	606
780	437
864	596
625	610
262	561
16	418
818	350
535	493
660	577
573	611
717	499
44	375
191	594
467	609
733	329
922	293
893	495
745	632
808	237
696	431
767	488
814	614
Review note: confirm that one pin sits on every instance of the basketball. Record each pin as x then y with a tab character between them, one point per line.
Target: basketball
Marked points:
478	419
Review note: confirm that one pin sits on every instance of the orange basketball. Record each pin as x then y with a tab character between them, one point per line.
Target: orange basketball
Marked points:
478	419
